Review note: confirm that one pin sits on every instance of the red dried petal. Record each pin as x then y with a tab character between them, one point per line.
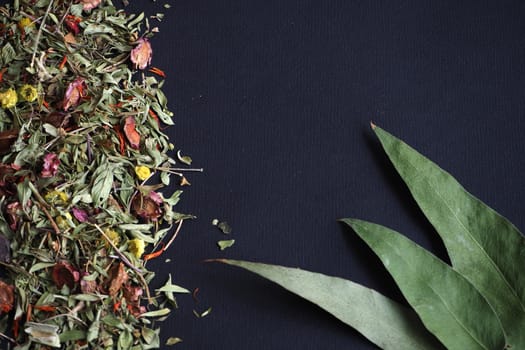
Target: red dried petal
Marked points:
7	298
65	274
131	133
118	276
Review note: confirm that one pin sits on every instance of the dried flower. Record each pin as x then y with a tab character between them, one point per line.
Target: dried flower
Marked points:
65	274
7	298
74	92
8	98
141	54
136	247
63	221
90	4
80	214
28	93
113	236
72	24
50	167
131	133
147	207
25	22
56	197
142	172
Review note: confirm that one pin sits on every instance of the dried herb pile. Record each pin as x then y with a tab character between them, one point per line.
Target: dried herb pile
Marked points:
81	133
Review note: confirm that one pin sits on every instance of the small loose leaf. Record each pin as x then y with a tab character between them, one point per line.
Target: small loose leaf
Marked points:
483	246
444	300
383	321
173	341
225	244
156	313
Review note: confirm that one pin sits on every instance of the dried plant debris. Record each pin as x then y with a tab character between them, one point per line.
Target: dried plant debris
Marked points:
222	225
81	120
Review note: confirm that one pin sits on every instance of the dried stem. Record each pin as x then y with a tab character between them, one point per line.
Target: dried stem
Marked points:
37	39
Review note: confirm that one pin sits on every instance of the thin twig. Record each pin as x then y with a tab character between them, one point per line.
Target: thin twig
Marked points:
37	39
7	338
174	236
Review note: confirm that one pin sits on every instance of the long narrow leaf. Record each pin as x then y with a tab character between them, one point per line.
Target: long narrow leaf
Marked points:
383	321
483	246
449	306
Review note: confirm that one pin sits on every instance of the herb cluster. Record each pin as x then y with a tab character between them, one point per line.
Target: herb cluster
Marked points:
81	133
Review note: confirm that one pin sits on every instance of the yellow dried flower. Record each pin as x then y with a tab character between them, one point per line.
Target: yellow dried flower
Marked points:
56	197
63	221
28	93
136	247
142	172
8	98
113	236
25	22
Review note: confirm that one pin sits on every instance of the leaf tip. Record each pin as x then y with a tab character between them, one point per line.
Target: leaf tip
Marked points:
372	125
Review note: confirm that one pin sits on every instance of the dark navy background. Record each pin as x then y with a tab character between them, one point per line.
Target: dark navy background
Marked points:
274	98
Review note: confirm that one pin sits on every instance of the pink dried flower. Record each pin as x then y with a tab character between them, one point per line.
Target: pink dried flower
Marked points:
75	91
90	4
50	167
80	214
141	54
13	214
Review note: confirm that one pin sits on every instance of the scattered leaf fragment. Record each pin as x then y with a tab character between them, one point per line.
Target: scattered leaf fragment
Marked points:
225	244
224	227
184	159
173	341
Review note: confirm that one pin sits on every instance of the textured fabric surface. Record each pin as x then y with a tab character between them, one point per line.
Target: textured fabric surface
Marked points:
274	98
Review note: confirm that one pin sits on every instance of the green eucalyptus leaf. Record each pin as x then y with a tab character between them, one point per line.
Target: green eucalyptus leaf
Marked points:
383	321
483	245
449	306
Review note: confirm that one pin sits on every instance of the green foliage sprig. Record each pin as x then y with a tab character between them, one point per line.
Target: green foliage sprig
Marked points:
477	302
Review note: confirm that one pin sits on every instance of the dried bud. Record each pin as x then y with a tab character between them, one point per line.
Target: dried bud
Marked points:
74	92
147	207
80	214
141	54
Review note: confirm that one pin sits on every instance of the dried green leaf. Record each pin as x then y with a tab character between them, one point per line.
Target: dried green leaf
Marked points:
225	244
444	300
483	246
173	341
383	321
